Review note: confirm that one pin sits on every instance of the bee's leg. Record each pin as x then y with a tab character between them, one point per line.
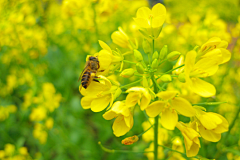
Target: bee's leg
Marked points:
101	70
95	79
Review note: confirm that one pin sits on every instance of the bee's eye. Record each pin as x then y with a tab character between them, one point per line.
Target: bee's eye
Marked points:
91	58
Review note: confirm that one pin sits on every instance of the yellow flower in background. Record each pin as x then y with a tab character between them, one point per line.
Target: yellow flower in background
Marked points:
150	155
39	133
124	119
6	110
210	125
98	95
168	106
138	95
120	38
177	145
9	149
38	114
147	18
49	123
163	134
23	151
191	141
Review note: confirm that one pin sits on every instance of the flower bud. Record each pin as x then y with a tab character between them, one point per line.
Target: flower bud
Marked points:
120	38
138	55
145	82
196	48
173	55
163	52
146	46
154	64
127	73
181	77
117	93
155	55
166	78
130	140
139	68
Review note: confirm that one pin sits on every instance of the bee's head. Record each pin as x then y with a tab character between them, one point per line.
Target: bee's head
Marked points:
92	58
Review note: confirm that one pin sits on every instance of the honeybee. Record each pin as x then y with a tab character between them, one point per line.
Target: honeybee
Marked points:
92	66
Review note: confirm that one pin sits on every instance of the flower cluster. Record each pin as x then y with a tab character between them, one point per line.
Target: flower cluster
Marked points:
152	89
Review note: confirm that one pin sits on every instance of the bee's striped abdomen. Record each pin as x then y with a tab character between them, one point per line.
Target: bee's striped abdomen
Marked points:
86	79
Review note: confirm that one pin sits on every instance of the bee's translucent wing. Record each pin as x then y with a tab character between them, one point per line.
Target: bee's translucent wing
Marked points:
86	65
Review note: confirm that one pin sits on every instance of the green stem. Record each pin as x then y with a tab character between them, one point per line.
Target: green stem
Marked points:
156	121
128	62
145	131
149	59
156	138
232	124
120	151
174	69
130	84
219	153
162	62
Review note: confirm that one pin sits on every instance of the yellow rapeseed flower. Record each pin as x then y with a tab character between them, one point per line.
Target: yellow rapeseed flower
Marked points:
211	125
98	95
138	95
106	57
168	106
191	141
196	70
124	119
147	18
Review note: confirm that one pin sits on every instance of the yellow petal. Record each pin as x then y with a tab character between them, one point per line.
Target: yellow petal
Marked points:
143	12
166	95
86	102
144	23
109	115
205	67
145	100
104	46
132	98
119	126
158	10
158	21
209	120
101	103
211	43
193	151
190	61
136	89
169	118
118	107
155	108
183	107
202	87
223	127
215	55
129	121
226	55
222	44
105	59
209	135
